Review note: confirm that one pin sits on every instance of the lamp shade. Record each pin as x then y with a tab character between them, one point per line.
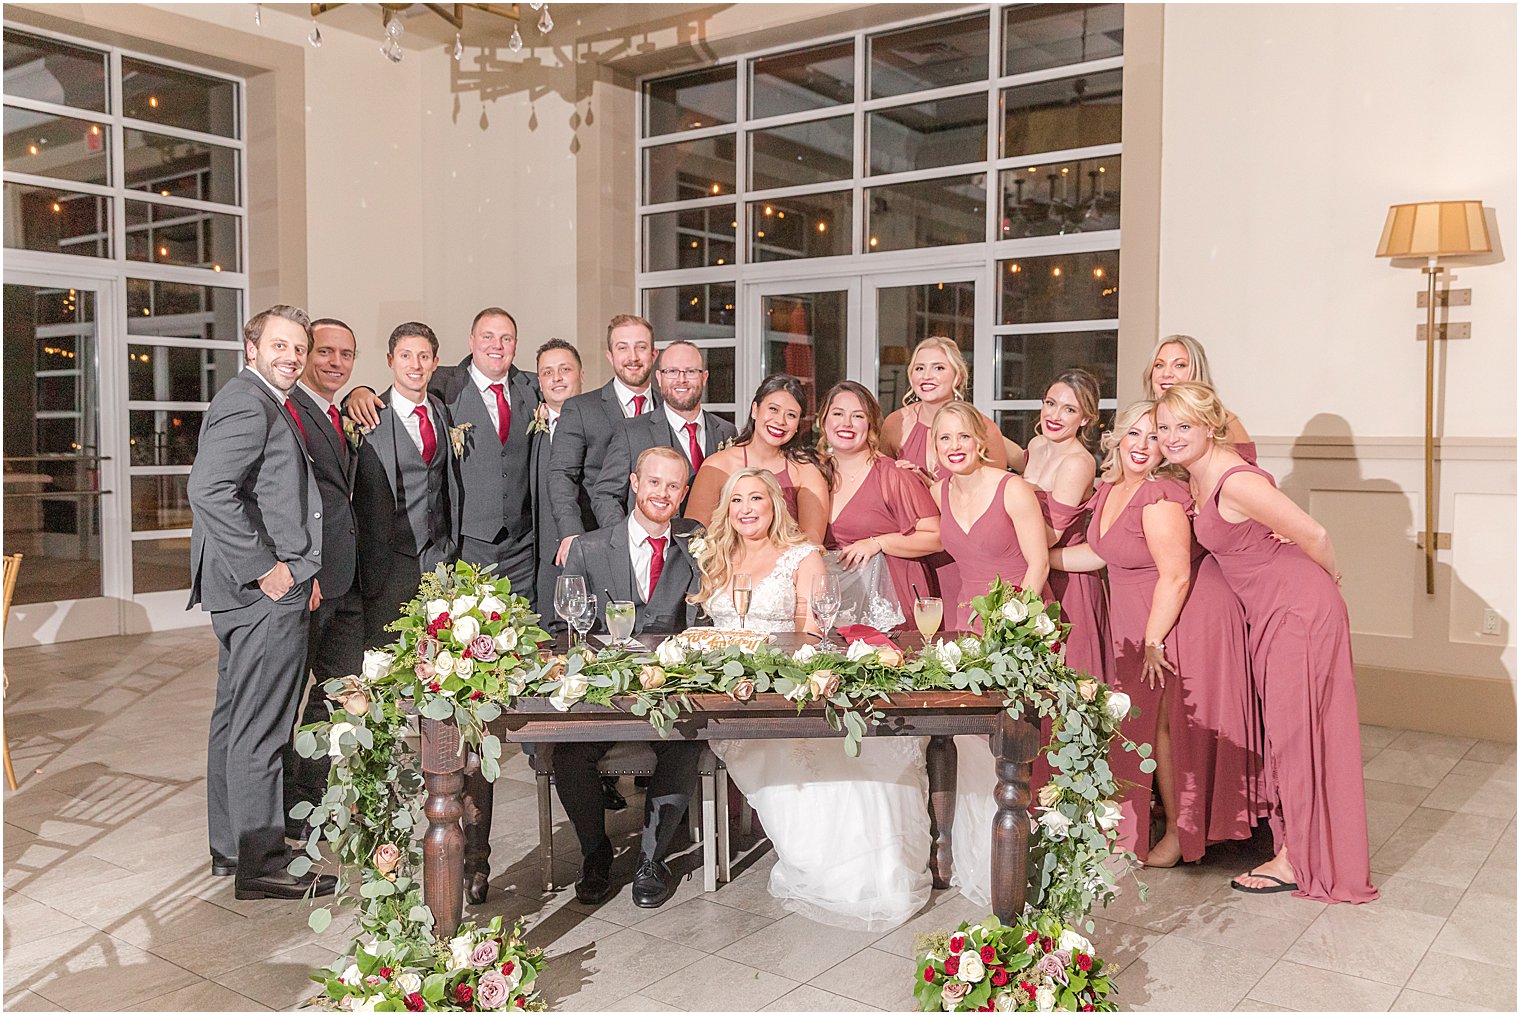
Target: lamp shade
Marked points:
1434	229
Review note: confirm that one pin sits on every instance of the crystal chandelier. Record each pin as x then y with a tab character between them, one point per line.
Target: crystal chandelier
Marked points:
393	28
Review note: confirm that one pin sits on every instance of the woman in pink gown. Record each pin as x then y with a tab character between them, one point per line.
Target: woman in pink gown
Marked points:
1179	642
877	507
1179	358
1300	643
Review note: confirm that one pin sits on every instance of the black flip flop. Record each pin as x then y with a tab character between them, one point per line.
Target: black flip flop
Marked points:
1279	885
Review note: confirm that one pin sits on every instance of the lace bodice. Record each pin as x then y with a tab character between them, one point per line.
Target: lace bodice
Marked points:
773	603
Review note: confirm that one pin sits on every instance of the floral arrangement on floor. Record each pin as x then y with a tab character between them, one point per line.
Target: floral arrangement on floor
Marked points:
1038	964
466	647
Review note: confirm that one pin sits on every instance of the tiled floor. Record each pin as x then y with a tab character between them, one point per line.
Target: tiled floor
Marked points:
108	904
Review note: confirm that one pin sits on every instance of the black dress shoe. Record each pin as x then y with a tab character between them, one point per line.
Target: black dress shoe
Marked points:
612	800
222	866
285	885
476	887
653	884
594	887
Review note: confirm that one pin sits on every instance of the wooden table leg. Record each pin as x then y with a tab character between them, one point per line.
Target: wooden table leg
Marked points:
443	843
1014	747
941	759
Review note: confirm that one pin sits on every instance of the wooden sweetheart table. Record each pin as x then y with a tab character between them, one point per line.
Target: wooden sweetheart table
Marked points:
938	715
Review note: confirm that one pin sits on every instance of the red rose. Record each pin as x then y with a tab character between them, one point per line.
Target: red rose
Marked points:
466	653
1031	938
495	616
1046	944
1084	961
385	971
999	976
989	955
1088	1007
957	942
435	687
1027	987
414	1002
477	695
1055	646
952	965
443	619
463	993
519	1001
928	974
507	967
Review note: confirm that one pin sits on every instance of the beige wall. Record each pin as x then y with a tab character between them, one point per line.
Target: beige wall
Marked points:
1287	132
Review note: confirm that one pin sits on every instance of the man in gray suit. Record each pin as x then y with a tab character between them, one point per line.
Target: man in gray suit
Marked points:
586	427
679	423
406	485
559	380
644	559
255	550
335	644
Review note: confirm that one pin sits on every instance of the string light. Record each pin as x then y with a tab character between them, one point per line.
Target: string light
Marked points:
153	101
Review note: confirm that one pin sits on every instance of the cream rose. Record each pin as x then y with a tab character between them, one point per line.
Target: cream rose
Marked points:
857	651
462	605
804	653
443	663
409	983
460	949
1056	824
1071	941
1088	689
949	654
1107	813
572	688
1043	625
1005	1001
506	641
972	970
651	678
464	666
1117	706
377	664
890	655
334	750
801	692
825	683
670	653
435	607
1044	999
464	630
351	976
1050	795
490	605
1014	611
743	690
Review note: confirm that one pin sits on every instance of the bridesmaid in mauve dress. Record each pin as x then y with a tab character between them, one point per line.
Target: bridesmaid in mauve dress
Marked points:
1179	358
878	508
1300	643
1179	639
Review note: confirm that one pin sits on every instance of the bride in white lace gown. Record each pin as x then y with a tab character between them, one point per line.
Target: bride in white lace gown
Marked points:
851	834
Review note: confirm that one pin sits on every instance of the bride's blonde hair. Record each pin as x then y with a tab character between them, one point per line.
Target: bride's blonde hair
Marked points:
716	561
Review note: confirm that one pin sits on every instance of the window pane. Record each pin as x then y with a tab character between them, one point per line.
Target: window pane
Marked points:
817	225
48	71
927	135
1028	363
160	565
1019	425
1060	287
813	152
178	310
58	221
906	315
805	336
1036	36
720	376
58	146
160	502
802	80
702	98
1066	113
932	213
160	373
929	56
165	234
1080	196
174	167
178	98
695	238
689	169
164	436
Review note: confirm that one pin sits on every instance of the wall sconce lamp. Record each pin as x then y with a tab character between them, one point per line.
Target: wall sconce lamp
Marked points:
1432	230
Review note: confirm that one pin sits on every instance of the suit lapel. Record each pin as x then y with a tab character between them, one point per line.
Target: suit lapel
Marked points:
315	419
622	563
389	431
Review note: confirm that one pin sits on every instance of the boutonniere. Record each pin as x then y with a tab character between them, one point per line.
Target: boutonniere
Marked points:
354	433
456	438
696	541
725	444
540	423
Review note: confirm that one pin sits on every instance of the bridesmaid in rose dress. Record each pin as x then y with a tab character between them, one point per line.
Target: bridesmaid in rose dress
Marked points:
1300	642
877	507
1179	358
1179	639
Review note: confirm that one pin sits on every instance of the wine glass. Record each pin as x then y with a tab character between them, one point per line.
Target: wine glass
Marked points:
583	619
928	614
743	590
569	596
621	615
825	602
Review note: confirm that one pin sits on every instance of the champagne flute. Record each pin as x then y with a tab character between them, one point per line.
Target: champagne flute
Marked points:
825	602
743	590
928	614
584	618
569	597
620	619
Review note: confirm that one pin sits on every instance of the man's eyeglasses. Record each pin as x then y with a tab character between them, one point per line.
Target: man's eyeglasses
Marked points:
676	373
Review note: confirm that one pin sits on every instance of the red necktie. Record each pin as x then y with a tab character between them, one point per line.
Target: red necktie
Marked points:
638	405
332	414
290	407
429	439
656	563
503	412
693	448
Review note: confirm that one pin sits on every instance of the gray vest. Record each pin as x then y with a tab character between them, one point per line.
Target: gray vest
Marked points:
498	495
421	495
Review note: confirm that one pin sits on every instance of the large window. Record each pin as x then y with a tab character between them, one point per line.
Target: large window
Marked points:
126	238
976	155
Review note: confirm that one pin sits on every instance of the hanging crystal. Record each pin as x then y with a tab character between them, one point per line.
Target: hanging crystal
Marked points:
258	14
394	28
535	6
545	23
458	48
315	38
392	52
515	43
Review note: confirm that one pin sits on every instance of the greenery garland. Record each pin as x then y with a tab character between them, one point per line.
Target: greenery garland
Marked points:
466	647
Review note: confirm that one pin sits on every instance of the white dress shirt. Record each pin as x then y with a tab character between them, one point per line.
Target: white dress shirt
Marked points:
279	396
642	555
405	409
322	404
482	382
553	424
625	398
679	426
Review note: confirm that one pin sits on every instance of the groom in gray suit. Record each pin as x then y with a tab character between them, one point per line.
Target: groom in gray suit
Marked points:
255	550
644	559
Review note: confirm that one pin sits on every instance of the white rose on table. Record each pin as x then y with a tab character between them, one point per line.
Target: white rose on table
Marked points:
465	630
1071	941
972	970
1117	706
949	654
801	692
517	683
858	650
572	688
970	647
462	605
670	653
459	952
1014	611
409	983
1044	999
490	605
1107	814
436	607
804	653
507	640
333	750
1056	824
443	663
1043	625
464	666
377	664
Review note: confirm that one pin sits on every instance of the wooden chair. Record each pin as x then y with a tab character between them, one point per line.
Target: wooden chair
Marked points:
12	570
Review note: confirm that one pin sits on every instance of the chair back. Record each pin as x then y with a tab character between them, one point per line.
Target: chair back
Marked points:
12	570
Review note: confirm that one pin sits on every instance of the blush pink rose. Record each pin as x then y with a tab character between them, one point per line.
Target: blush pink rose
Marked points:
485	953
483	649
